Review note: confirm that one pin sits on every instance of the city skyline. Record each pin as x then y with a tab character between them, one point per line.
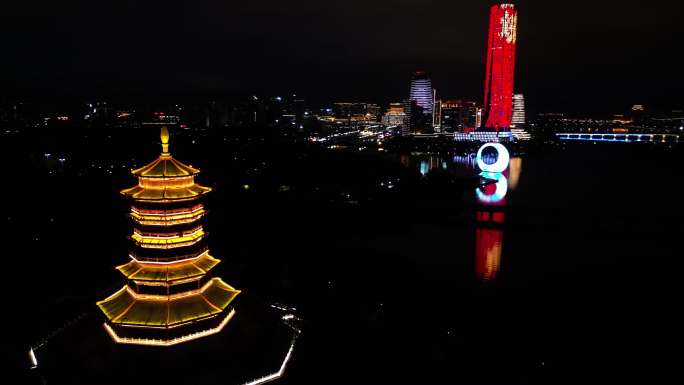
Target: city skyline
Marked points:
214	51
506	159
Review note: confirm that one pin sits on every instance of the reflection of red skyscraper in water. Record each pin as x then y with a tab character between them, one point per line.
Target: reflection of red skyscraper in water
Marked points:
488	248
490	218
489	235
498	99
490	215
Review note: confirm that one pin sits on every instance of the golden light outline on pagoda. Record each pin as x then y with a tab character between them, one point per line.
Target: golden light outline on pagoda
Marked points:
145	217
171	342
167	262
170	296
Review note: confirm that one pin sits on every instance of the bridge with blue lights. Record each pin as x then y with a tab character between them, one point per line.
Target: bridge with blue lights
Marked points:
602	137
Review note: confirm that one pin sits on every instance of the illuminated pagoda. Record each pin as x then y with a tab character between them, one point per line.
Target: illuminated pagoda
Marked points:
170	299
170	295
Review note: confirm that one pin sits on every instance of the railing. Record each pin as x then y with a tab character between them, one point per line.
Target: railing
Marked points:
281	370
164	260
628	138
171	342
482	136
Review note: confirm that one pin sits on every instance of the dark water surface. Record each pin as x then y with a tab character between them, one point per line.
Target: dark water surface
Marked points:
582	291
403	285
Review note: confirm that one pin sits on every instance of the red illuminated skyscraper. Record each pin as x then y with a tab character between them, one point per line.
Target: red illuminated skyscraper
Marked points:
498	101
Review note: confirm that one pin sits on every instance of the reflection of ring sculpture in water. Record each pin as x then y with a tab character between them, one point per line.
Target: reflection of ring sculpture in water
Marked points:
502	160
501	188
489	239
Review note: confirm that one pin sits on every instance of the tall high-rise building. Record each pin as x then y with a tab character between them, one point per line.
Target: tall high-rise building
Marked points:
437	114
457	115
422	92
436	109
498	98
518	119
478	117
416	118
419	106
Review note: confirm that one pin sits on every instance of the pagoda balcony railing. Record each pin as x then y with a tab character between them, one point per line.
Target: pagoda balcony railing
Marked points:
145	211
168	246
194	255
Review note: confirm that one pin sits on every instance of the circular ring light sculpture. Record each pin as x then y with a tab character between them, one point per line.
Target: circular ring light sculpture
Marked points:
502	160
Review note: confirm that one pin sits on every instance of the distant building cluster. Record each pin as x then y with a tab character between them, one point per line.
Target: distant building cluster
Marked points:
395	115
357	112
502	114
638	120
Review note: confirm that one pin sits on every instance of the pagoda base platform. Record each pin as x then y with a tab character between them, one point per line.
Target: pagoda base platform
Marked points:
170	336
253	347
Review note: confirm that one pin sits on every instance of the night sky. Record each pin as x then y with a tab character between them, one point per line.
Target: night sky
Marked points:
593	56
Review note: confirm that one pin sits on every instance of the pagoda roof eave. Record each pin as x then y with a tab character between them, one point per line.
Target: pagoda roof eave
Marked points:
129	309
149	272
165	167
166	194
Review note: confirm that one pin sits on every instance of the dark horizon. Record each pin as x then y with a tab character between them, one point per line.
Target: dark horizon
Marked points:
584	57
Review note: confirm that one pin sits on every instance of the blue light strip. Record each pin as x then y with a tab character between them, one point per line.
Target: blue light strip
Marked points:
628	138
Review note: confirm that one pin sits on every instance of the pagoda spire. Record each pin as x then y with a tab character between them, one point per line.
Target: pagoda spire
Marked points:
165	141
